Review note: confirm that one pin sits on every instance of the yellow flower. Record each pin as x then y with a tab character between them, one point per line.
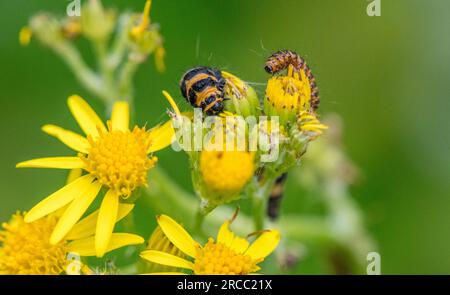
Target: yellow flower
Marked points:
114	158
287	96
230	254
226	172
310	124
25	247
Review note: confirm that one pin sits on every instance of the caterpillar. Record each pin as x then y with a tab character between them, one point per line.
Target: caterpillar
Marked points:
203	87
275	197
281	60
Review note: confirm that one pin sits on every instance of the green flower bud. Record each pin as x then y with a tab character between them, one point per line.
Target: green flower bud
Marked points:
46	28
243	99
96	22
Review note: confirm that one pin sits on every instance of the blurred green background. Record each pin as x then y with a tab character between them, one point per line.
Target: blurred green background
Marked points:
388	77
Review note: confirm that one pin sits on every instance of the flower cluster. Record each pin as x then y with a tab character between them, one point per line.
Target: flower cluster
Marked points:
253	141
248	145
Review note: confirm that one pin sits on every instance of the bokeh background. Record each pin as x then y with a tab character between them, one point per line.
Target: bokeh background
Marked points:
388	77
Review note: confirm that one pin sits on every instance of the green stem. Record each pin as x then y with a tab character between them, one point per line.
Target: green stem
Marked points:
89	79
164	196
120	42
199	219
259	192
125	80
107	72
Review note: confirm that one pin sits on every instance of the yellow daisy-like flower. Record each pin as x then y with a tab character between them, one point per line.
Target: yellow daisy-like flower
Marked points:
25	247
230	254
115	158
286	96
289	98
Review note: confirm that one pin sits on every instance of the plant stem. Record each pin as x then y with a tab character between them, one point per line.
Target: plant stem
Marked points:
199	219
107	72
164	196
125	80
88	78
120	42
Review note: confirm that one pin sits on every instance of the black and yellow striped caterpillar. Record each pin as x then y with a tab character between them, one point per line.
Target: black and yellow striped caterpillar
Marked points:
203	87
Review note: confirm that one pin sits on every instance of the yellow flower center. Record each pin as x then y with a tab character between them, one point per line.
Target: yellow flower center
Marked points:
226	171
25	247
290	92
119	159
216	258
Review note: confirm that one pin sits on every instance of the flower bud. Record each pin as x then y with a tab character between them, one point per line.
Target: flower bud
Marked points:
46	28
71	27
224	174
146	38
287	96
243	99
96	22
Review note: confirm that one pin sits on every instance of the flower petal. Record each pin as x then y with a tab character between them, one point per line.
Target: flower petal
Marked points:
119	240
172	102
120	118
264	244
59	198
85	116
161	136
53	162
87	226
166	259
239	245
86	247
74	174
225	236
69	138
106	221
228	238
177	235
74	212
